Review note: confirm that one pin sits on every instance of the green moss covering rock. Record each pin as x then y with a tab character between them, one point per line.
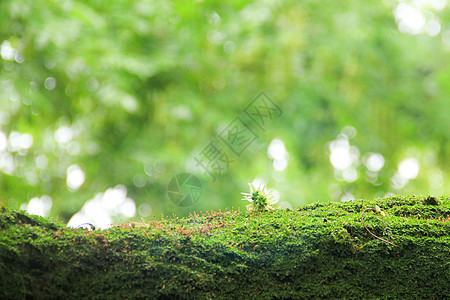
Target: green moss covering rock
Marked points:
320	250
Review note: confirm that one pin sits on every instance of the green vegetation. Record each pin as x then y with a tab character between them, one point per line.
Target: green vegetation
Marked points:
260	199
129	92
317	250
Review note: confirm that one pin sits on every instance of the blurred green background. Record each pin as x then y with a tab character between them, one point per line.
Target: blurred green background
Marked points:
102	103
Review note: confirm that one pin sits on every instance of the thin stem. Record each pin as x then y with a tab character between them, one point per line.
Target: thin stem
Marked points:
362	218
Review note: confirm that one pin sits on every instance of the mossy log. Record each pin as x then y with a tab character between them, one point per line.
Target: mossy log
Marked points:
321	250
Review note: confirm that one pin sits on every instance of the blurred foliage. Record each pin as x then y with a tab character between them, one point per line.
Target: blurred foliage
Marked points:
142	87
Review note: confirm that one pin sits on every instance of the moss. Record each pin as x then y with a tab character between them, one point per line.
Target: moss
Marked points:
318	250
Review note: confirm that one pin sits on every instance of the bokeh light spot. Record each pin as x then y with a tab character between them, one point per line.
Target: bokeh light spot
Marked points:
3	142
7	51
145	210
139	180
41	161
50	83
39	206
75	177
64	135
277	151
374	162
101	210
409	168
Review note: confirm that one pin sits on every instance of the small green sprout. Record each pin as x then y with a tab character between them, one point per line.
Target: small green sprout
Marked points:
259	198
379	211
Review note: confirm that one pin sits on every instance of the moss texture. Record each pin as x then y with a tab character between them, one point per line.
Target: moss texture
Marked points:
315	251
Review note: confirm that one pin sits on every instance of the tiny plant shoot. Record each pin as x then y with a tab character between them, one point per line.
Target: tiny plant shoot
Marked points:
259	198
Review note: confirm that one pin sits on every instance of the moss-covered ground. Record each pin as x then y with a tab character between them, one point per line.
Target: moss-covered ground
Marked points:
319	250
